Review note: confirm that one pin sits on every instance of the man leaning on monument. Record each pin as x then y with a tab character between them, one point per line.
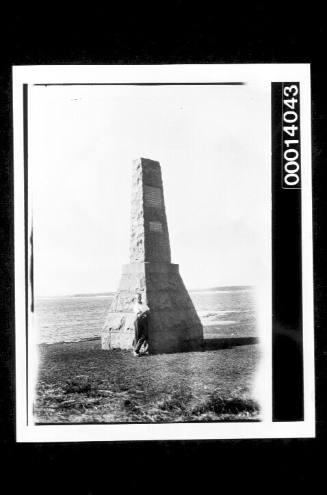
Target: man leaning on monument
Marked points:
141	311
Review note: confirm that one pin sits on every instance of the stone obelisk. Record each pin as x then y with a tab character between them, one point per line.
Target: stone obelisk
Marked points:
173	323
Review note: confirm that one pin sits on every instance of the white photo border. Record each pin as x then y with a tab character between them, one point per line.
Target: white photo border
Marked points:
23	76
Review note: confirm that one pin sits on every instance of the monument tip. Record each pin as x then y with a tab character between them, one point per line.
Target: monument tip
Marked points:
147	161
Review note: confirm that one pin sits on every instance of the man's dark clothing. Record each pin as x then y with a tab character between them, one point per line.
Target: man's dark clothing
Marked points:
141	332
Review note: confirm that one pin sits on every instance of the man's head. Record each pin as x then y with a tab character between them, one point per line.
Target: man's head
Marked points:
138	297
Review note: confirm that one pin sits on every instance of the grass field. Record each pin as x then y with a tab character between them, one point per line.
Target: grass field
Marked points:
79	382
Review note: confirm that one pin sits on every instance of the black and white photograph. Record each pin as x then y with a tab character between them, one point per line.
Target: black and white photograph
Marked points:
147	207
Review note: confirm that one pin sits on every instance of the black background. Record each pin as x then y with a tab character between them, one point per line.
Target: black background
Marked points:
152	33
287	340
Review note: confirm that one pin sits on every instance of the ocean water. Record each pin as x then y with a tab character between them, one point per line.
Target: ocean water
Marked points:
223	311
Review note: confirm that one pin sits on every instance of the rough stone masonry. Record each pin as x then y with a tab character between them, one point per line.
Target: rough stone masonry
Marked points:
173	323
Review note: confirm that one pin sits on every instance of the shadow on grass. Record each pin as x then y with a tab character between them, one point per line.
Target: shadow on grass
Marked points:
226	343
210	345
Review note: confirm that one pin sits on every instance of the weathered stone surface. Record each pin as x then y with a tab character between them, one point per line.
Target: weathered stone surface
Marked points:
173	323
137	247
132	281
119	331
149	229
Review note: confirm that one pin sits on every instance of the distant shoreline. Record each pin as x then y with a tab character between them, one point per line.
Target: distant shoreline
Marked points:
63	342
223	288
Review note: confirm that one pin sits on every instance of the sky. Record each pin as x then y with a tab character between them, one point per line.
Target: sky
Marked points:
213	144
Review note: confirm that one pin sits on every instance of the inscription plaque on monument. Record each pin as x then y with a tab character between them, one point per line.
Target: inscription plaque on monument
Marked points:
155	226
174	324
153	196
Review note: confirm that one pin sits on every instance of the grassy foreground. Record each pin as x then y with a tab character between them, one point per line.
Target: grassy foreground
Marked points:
79	382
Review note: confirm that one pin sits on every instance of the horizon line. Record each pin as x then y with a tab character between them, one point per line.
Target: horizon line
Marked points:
84	294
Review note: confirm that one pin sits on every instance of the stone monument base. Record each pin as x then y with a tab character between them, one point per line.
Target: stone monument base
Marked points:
118	332
174	325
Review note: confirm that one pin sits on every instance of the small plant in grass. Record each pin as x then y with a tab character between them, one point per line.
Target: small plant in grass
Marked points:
79	386
177	401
